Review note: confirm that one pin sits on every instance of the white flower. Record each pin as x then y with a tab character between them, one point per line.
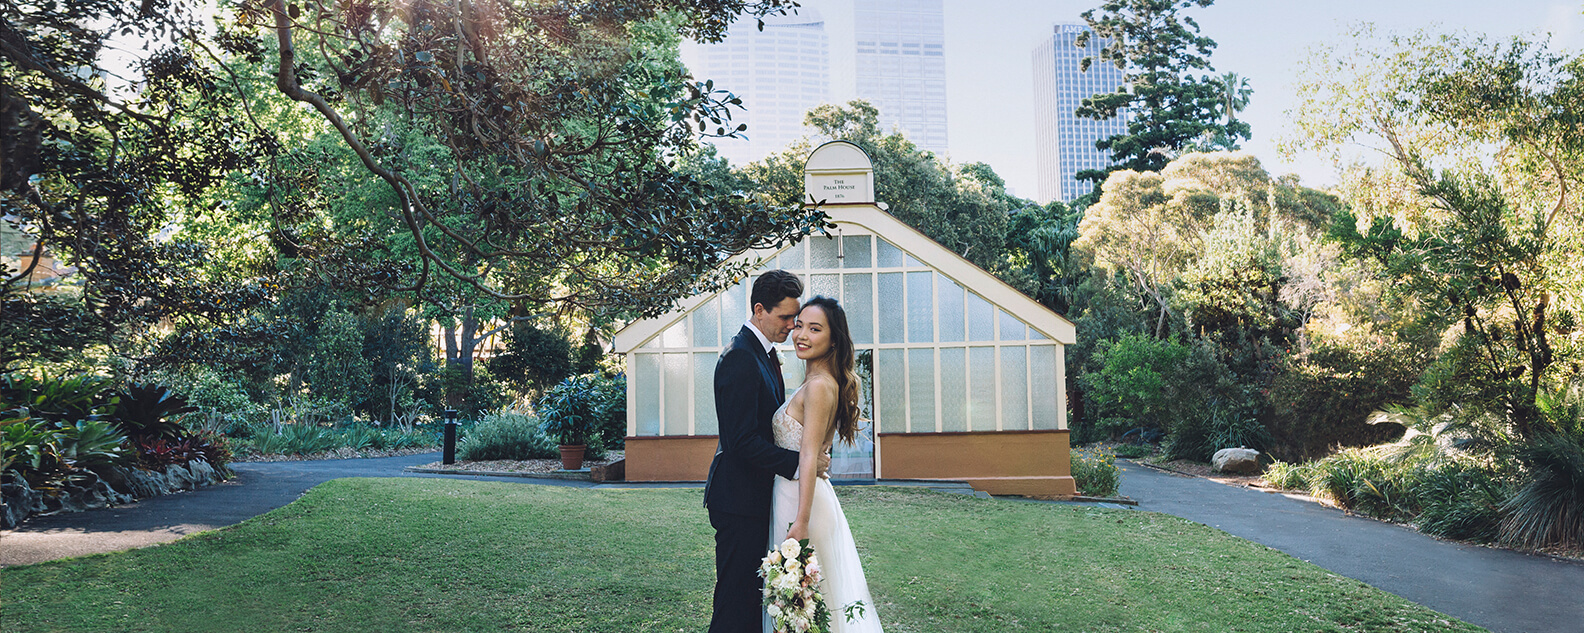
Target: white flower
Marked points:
775	611
785	582
813	568
800	623
775	557
790	548
792	566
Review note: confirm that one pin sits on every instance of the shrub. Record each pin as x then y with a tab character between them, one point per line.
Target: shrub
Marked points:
1288	476
150	411
1094	472
568	411
59	399
1198	437
1548	509
506	436
1133	451
1321	400
1459	501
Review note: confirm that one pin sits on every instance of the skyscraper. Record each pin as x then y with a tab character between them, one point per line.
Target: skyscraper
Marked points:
780	72
900	58
1066	142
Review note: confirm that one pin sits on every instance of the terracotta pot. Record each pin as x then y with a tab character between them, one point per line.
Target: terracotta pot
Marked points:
572	456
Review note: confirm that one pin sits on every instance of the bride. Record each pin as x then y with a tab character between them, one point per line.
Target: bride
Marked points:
824	407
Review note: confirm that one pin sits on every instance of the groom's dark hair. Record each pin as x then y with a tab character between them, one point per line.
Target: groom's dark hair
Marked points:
773	287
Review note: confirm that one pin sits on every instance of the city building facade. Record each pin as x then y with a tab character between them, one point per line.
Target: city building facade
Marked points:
781	73
1065	142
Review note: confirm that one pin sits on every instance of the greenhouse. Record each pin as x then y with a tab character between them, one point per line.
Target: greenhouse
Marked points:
963	376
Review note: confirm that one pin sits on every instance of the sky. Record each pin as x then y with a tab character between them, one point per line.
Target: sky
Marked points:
989	46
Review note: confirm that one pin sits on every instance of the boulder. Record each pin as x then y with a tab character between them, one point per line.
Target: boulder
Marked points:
1243	461
19	502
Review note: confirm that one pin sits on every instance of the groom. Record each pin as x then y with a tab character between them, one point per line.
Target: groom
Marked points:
748	391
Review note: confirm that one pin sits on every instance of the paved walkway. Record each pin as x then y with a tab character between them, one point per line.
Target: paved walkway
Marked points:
1498	589
1501	590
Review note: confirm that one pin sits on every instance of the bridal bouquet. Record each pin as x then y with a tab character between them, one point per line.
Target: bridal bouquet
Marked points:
791	590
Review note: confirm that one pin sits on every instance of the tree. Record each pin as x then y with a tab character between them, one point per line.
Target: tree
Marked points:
1168	109
1235	94
1153	227
1487	244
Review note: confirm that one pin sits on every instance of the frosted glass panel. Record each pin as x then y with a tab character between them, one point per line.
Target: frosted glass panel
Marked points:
954	388
981	319
1014	389
1035	335
646	382
949	309
913	263
734	311
858	301
1043	386
704	422
823	285
1011	328
792	258
822	252
982	390
920	308
675	336
890	308
856	252
706	324
921	390
890	385
887	255
791	369
677	411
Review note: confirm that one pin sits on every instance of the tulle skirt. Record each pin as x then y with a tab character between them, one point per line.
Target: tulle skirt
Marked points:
844	583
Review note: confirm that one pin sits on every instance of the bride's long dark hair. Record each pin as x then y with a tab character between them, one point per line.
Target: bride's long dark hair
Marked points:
841	356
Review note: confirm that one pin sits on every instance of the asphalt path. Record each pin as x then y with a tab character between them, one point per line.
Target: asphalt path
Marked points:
1498	589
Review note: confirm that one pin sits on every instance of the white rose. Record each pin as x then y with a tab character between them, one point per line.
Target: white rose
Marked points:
786	582
792	566
813	568
800	623
790	549
775	611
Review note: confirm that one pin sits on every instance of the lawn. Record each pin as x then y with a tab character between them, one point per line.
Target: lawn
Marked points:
449	556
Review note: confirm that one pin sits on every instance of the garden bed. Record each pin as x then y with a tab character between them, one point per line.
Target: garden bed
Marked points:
340	453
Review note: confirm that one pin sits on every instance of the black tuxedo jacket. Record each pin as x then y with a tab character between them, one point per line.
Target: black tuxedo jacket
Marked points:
746	460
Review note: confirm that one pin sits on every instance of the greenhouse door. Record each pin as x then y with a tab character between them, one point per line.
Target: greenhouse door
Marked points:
857	461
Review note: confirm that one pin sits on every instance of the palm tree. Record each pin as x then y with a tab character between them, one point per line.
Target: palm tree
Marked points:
1235	93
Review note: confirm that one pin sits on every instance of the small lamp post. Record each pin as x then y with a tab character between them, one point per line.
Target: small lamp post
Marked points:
450	437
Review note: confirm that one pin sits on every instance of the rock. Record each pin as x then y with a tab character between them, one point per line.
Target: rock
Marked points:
1236	460
203	474
180	478
19	502
146	483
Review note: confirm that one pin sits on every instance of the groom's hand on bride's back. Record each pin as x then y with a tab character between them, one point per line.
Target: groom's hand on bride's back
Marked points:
824	465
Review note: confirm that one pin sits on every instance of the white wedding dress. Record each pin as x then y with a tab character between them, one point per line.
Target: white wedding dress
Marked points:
844	582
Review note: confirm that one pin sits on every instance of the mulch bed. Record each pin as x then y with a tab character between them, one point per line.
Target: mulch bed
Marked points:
524	465
340	453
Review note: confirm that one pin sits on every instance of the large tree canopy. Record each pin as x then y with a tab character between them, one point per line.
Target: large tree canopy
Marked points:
528	149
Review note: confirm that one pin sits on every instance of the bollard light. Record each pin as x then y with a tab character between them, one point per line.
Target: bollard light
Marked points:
450	437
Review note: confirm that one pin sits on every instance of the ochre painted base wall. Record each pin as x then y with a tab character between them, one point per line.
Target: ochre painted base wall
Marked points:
997	462
676	458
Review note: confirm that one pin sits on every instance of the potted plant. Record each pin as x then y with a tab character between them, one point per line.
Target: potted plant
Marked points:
567	414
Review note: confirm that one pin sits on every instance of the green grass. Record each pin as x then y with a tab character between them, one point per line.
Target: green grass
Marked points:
438	555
